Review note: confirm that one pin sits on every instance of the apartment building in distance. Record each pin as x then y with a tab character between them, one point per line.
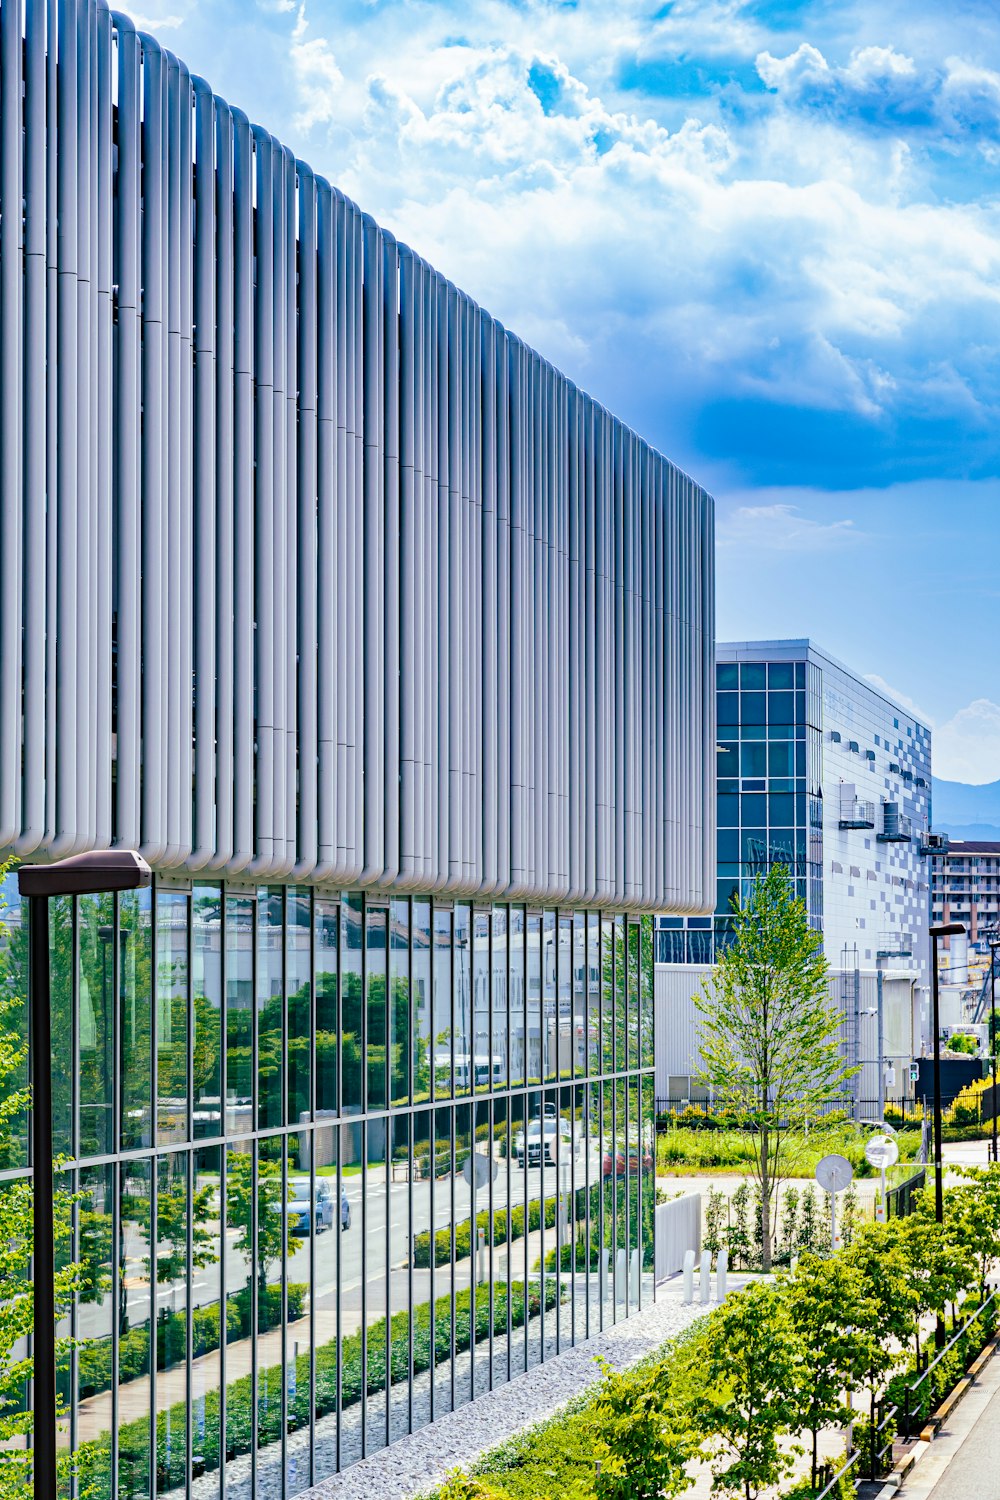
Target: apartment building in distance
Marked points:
821	770
966	888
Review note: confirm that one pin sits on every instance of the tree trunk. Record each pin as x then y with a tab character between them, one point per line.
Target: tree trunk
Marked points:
765	1200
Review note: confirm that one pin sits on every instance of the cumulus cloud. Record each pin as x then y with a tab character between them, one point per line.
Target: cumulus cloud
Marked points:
967	747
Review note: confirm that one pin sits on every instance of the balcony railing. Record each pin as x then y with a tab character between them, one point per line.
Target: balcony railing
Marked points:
857	814
895	944
896	826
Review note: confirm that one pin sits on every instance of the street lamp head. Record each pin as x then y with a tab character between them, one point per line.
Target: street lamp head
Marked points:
947	929
93	873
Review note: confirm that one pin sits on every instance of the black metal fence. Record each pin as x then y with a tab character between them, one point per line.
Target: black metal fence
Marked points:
899	1199
900	1113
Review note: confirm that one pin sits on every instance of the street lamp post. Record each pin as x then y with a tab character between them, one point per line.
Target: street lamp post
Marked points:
944	929
81	875
994	942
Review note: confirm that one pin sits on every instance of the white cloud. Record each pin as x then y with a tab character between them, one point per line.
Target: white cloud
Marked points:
782	528
153	24
317	76
967	747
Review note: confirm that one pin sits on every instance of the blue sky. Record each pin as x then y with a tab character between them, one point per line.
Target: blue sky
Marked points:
765	234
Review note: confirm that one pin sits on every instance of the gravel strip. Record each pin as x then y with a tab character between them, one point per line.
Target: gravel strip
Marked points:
419	1462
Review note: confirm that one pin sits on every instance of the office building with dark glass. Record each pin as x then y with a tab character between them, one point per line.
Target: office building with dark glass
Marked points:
391	651
822	771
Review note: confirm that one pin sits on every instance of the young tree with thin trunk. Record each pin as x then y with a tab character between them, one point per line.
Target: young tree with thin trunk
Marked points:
770	1032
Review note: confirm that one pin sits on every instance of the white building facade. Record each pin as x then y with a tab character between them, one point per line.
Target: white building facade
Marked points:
818	769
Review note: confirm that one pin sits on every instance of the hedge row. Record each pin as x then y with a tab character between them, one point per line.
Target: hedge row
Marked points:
133	1438
503	1231
94	1357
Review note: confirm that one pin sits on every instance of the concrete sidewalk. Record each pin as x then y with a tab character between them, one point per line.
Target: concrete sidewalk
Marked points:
961	1462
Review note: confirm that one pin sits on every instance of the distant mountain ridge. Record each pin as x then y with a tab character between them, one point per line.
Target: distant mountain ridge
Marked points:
966	811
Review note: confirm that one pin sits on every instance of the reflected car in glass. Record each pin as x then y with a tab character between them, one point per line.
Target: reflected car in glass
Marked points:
302	1213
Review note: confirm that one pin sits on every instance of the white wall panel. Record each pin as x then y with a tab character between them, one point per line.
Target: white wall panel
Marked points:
310	569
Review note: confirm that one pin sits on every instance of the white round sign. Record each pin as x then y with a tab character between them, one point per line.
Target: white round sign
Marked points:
484	1167
882	1152
834	1173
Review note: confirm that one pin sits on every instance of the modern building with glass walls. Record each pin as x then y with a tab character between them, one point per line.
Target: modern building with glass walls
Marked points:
391	651
820	770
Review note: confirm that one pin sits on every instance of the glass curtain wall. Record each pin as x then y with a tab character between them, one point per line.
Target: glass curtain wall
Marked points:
344	1163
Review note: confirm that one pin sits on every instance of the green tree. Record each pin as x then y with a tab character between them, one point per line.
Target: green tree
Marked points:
823	1298
271	1216
770	1032
742	1375
17	1303
973	1209
643	1438
887	1305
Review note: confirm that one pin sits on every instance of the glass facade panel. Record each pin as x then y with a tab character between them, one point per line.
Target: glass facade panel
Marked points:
239	945
421	995
484	1064
462	977
339	1268
351	1004
135	1011
326	916
376	1005
172	1037
95	1023
206	1011
270	1008
298	1011
444	1030
400	1006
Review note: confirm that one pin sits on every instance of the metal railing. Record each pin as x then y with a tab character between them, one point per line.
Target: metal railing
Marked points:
899	1199
911	1390
833	1481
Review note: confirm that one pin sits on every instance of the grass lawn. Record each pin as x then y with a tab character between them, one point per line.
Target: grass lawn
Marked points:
691	1152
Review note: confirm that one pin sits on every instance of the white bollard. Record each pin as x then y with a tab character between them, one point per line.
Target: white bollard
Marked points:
706	1276
621	1270
605	1263
634	1290
688	1275
721	1272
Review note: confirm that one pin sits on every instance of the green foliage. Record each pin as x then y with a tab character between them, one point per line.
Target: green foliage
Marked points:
770	1031
823	1299
643	1439
964	1043
744	1400
429	1347
272	1218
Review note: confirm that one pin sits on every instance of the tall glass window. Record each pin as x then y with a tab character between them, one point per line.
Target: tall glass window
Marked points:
376	957
327	918
400	1002
206	1014
298	963
270	1008
463	999
135	999
421	998
444	1032
518	1041
499	1016
239	942
172	1092
352	1005
484	1069
96	1022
